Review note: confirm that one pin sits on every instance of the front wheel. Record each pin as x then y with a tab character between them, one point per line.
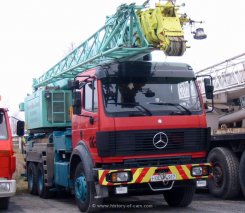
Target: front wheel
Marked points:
181	196
85	190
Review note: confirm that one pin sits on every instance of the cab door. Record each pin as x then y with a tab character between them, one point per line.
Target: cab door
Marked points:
89	116
7	160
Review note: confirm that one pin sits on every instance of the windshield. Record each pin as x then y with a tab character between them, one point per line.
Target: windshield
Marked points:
3	127
151	96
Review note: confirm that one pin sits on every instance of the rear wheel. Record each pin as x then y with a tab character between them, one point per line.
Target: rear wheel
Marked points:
181	196
43	191
242	173
225	180
4	203
32	178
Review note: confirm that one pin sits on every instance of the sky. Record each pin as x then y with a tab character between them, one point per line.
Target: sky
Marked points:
36	34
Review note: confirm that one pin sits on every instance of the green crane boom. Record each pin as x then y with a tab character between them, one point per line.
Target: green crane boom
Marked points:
133	31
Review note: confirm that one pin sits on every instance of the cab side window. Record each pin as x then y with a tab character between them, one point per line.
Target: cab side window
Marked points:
3	127
90	96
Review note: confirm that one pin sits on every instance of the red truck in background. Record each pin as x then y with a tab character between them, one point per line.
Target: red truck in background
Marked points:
7	161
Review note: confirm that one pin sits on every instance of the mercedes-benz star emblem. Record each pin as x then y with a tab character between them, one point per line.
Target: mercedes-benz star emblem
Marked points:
160	140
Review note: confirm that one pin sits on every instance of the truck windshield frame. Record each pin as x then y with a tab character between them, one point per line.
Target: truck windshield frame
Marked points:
3	127
126	97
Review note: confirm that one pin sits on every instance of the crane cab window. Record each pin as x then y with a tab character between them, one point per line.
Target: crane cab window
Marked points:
3	127
90	96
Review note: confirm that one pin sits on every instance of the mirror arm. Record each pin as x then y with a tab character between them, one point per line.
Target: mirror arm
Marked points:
91	118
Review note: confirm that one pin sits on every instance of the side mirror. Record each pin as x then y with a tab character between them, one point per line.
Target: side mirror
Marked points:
209	88
71	85
20	128
76	102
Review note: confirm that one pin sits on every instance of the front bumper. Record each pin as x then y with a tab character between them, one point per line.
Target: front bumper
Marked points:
7	188
154	174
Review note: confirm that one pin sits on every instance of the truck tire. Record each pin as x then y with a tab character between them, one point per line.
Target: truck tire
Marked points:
242	173
225	181
181	196
32	178
43	191
85	190
4	203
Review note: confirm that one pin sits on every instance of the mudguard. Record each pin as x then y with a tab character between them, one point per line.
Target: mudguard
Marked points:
81	153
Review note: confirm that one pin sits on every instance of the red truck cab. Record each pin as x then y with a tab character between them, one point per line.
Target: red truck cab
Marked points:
139	126
7	161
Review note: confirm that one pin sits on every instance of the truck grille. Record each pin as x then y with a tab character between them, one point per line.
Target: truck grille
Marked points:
128	143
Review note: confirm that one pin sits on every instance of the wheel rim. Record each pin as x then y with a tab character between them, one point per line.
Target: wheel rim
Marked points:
218	174
81	188
30	179
40	181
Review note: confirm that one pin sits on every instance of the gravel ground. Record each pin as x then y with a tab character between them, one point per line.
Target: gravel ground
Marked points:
203	202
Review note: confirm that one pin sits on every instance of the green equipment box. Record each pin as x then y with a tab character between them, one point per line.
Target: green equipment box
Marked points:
48	108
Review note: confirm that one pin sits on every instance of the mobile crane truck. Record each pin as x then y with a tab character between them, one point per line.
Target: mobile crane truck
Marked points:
106	121
227	122
7	160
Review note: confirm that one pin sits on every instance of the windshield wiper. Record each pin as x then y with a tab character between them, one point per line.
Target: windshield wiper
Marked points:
136	105
173	104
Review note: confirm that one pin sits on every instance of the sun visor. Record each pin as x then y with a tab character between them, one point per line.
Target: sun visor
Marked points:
134	69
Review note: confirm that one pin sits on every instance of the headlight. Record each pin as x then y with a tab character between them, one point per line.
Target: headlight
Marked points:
196	171
200	171
118	177
4	187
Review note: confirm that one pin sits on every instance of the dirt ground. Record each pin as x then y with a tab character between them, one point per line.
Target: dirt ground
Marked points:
21	184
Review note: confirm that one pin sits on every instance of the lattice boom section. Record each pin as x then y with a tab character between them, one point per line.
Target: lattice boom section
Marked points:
227	75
